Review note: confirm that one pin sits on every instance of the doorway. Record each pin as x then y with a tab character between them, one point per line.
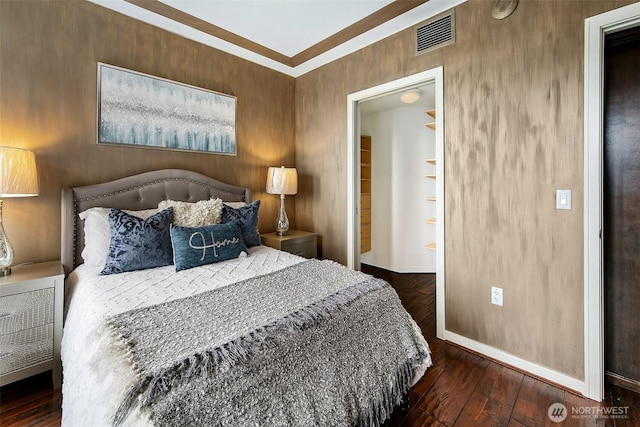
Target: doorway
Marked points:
621	207
398	180
596	28
435	77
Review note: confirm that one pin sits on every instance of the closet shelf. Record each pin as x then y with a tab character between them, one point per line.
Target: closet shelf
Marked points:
365	193
432	126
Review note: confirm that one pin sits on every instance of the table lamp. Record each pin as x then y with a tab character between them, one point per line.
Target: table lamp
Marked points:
18	178
282	181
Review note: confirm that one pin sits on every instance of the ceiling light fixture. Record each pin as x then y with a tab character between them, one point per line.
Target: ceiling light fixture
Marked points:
410	97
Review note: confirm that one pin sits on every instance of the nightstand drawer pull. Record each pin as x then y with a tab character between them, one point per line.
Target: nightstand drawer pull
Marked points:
26	310
26	348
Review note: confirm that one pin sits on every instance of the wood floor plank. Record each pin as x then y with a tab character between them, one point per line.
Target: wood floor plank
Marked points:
448	396
628	402
582	412
418	418
32	401
534	399
492	401
441	354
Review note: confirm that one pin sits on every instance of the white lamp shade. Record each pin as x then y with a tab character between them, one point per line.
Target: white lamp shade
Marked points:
282	181
18	173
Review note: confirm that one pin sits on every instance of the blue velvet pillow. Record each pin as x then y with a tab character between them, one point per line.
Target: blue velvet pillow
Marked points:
247	216
196	246
137	243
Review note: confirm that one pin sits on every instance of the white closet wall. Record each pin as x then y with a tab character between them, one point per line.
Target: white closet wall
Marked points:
401	143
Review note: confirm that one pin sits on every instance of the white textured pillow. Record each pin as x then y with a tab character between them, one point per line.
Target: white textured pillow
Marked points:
185	214
97	233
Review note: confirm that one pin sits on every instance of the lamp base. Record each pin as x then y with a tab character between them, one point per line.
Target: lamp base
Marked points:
282	224
6	251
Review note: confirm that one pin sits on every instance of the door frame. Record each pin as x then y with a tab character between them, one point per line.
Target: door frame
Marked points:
596	28
434	75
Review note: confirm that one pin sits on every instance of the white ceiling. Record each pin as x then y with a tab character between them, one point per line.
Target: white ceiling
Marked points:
284	26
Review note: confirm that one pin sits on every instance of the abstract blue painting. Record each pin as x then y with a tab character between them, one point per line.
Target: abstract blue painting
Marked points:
140	110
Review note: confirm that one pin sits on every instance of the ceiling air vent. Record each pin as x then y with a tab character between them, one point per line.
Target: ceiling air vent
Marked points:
436	32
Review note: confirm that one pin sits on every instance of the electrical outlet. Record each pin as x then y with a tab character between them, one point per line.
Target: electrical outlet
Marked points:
496	296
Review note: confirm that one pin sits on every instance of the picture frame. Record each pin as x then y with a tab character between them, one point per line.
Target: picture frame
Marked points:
144	111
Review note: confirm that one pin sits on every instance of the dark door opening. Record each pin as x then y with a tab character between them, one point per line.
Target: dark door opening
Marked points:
621	208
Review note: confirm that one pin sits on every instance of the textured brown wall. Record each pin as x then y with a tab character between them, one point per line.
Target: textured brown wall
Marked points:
48	56
513	134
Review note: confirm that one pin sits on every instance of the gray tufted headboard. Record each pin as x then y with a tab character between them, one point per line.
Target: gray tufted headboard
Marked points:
136	192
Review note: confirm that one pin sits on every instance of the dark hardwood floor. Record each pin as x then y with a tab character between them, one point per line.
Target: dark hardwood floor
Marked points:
464	389
460	389
31	402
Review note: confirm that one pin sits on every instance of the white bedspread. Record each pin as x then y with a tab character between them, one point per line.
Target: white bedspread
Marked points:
93	384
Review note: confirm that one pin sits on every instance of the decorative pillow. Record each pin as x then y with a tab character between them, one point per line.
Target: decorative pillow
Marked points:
97	234
138	243
185	214
196	246
247	216
235	205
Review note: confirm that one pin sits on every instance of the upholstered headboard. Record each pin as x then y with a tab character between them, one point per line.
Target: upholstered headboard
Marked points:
143	191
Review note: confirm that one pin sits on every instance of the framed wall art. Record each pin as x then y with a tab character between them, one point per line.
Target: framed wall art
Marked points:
139	110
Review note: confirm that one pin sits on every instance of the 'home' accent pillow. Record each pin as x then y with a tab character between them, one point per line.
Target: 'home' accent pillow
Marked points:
196	246
138	243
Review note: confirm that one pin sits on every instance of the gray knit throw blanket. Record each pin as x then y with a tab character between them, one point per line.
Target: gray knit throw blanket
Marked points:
314	344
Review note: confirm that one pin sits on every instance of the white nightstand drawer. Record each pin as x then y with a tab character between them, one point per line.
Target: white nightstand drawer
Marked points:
31	305
26	348
26	310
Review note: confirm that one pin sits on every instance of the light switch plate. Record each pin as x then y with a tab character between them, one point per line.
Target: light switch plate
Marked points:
563	199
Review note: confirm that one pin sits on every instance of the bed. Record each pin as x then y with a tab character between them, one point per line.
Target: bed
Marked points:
261	338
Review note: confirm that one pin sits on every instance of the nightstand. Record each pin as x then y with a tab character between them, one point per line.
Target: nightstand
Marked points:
31	304
302	243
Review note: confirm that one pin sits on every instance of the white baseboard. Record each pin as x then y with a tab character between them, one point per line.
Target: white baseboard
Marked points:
540	371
